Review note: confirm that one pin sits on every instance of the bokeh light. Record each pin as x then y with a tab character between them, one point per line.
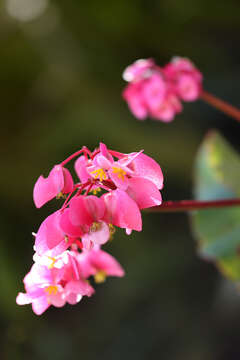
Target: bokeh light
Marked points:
26	10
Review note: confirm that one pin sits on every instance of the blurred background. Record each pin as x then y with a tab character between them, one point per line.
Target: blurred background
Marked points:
60	85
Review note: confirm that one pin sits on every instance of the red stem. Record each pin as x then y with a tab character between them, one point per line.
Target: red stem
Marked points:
190	205
84	150
221	105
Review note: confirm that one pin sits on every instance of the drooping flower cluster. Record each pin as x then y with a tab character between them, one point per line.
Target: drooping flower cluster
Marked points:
112	190
157	91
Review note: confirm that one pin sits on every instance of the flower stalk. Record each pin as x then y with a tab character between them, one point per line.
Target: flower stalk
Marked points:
193	205
221	105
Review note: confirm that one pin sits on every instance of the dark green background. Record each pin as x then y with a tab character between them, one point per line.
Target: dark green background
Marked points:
60	88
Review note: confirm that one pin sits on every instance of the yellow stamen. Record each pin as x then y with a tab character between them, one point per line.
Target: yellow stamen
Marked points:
51	290
100	276
120	172
50	266
96	191
95	226
60	195
99	174
112	231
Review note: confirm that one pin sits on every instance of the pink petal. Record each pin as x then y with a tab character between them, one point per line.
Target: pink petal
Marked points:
67	226
154	90
137	69
23	299
73	298
144	192
46	189
119	176
81	287
188	88
40	305
144	166
104	151
122	211
57	300
84	210
100	236
133	95
68	182
81	169
101	260
50	236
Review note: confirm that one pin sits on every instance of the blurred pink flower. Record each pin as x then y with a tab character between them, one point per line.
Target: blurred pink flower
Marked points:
156	92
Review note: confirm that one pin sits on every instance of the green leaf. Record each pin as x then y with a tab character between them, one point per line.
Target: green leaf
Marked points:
217	176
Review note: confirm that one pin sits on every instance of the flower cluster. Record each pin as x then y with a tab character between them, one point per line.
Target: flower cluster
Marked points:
157	92
112	190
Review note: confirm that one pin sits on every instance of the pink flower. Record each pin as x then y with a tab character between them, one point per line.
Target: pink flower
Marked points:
47	286
99	264
68	242
156	92
59	181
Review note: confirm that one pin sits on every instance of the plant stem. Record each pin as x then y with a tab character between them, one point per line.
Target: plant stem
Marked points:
191	205
221	105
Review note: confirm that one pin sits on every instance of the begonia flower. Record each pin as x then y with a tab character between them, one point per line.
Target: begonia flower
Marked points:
47	286
100	264
157	91
58	182
68	242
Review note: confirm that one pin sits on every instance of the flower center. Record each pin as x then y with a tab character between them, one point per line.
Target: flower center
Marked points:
51	265
99	174
51	290
119	171
96	226
96	191
100	276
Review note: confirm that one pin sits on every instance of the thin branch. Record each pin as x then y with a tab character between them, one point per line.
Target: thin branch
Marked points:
221	105
191	205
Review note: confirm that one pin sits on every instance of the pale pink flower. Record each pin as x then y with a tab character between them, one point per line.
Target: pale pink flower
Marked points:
139	69
51	285
58	182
